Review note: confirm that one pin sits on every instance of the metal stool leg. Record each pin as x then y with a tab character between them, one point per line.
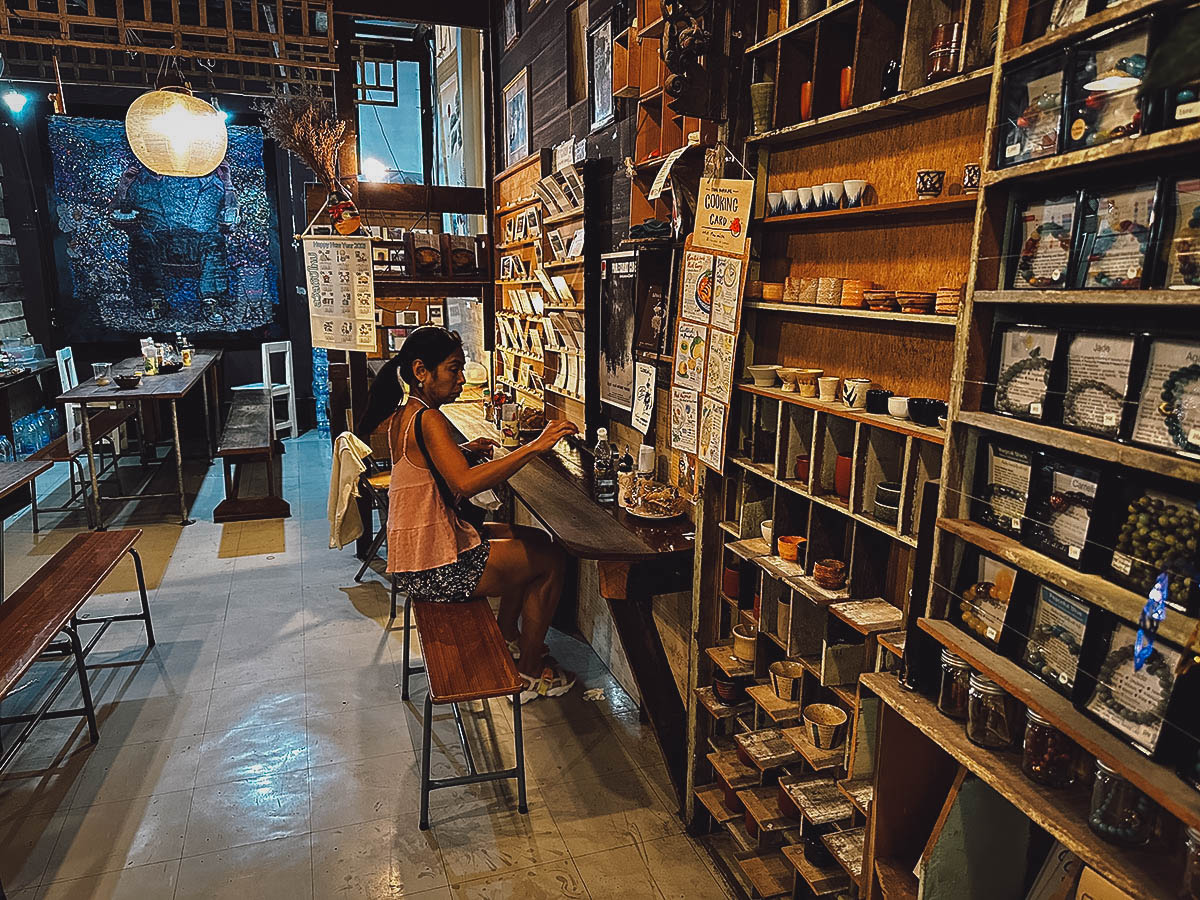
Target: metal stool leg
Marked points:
407	639
372	551
394	589
141	580
426	744
522	805
84	687
33	502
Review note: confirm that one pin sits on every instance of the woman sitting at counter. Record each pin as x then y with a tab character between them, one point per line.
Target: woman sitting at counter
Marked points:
432	552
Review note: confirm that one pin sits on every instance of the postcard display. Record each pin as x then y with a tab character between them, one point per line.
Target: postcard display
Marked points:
341	292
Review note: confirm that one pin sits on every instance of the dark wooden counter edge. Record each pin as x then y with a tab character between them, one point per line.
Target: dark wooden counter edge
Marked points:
553	488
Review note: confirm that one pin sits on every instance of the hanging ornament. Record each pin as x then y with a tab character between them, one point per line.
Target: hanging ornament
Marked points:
173	132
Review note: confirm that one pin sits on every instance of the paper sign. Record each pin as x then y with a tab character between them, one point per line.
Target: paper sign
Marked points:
643	396
341	292
723	214
727	288
719	369
697	286
690	356
684	414
664	172
712	433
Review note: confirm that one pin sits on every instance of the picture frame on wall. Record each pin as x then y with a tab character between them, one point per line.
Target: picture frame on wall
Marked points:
516	118
600	73
511	33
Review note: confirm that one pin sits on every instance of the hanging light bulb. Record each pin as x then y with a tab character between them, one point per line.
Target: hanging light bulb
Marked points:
15	100
173	132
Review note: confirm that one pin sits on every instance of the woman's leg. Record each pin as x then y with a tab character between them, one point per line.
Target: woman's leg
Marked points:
532	567
513	597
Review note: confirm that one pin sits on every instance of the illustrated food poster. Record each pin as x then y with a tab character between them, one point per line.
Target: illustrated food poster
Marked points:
341	292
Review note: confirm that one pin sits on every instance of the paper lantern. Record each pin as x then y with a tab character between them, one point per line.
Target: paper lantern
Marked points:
175	133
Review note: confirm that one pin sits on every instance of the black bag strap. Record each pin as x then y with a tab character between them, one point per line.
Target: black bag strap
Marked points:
444	488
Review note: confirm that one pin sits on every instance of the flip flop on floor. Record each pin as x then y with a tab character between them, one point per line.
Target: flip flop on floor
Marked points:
553	682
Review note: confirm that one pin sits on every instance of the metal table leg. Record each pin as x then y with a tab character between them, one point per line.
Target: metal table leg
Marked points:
208	430
91	457
183	510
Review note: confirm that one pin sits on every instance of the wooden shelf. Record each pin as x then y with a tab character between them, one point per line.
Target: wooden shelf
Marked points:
818	759
837	408
868	617
520	390
792	30
1111	154
884	212
776	710
769	873
722	656
552	389
1086	445
1176	628
860	792
511	282
893	643
732	770
762	804
750	548
516	204
768	748
1063	814
819	800
847	848
944	93
730	528
1093	297
402	286
712	798
650	96
652	29
563	264
522	354
516	245
1157	781
822	881
564	216
1069	33
808	309
717	708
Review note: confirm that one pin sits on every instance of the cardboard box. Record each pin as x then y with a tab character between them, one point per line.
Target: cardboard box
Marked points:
1095	887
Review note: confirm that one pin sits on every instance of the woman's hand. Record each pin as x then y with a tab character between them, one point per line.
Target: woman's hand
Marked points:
555	431
480	447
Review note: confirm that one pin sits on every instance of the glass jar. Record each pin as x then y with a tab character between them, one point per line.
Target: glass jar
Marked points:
1120	813
992	715
952	695
1049	756
1189	888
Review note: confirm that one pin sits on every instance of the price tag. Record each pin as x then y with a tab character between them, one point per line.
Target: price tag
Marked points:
1110	419
1194	436
1073	552
1133	272
991	633
1035	409
1187	110
1016	522
1122	563
1062	678
1056	274
1012	150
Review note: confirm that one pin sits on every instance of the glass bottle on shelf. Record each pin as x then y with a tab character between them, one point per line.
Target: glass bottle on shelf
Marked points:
604	478
1048	756
952	695
1120	813
625	479
992	715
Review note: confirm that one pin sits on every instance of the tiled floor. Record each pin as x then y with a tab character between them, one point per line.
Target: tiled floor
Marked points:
261	749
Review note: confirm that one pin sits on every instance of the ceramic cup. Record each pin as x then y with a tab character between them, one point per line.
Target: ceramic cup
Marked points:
898	407
806	382
791	202
842	468
833	194
929	183
820	201
827	388
805	195
877	401
854	392
774	203
971	175
856	190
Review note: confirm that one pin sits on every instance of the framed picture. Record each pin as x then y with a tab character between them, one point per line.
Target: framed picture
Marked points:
510	229
1103	88
1183	236
1045	229
510	23
409	318
1031	113
506	268
437	314
520	228
600	72
1116	231
516	118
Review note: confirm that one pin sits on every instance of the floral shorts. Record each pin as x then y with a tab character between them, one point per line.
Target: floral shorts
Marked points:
452	583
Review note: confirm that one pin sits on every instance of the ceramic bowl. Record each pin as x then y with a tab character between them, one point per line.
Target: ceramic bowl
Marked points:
774	203
971	177
731	582
791	202
788	377
764	376
877	401
820	201
880	300
826	724
128	380
829	291
789	546
827	387
854	392
834	191
898	407
805	198
802	467
728	690
806	382
925	410
829	573
743	642
887	513
888	492
786	678
766	528
856	192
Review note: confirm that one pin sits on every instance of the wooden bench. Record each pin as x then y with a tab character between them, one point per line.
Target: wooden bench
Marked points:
102	423
466	659
249	436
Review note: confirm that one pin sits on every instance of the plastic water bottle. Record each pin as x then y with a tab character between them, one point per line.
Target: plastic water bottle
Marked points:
604	477
50	421
7	454
38	427
23	437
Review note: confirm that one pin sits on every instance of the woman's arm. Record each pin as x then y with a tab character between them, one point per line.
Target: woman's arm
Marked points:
465	480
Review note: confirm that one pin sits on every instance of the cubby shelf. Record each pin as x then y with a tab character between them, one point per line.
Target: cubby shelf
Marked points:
722	656
1111	154
793	29
769	873
801	309
1093	297
1063	814
837	408
1177	627
944	93
1156	781
712	798
860	792
717	708
847	848
963	204
1090	445
564	216
821	880
563	264
1069	33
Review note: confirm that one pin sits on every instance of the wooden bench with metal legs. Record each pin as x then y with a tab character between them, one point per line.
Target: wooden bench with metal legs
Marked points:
466	659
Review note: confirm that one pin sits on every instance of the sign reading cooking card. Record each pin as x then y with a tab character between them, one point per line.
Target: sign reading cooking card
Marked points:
723	214
341	292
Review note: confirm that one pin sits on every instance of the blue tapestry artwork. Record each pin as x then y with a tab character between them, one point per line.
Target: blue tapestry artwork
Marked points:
141	253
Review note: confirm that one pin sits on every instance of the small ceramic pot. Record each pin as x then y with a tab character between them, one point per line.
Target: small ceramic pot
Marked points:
926	410
805	195
806	382
856	190
930	183
826	724
728	690
791	202
877	401
806	92
788	377
841	476
787	675
783	618
834	190
731	583
820	201
774	203
789	547
765	528
743	642
971	175
830	573
887	513
764	376
761	95
844	85
898	407
802	466
854	392
888	492
827	388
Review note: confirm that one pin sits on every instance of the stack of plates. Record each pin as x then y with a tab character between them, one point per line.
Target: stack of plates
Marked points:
880	300
948	299
916	301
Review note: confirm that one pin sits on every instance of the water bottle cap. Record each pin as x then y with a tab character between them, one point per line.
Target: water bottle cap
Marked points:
602	434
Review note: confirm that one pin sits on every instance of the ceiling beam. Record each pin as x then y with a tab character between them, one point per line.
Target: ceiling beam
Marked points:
463	13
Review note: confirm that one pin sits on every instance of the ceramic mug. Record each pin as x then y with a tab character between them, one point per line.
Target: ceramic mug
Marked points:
833	194
827	388
791	202
898	407
854	392
820	201
806	94
856	190
774	203
877	401
929	183
841	476
805	195
806	382
971	173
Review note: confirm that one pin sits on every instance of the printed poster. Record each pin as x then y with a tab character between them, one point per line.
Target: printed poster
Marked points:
618	289
643	396
690	356
341	292
697	286
722	345
712	433
727	289
684	415
722	214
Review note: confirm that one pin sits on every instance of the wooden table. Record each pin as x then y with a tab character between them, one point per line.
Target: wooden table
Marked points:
637	561
172	388
13	476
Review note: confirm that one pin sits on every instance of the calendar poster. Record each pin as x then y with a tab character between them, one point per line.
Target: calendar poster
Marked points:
341	292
